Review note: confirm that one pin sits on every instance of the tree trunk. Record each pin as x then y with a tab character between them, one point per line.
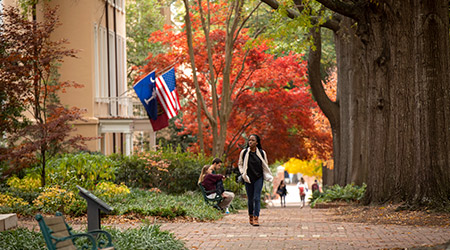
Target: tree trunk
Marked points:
393	90
194	74
349	166
329	108
406	62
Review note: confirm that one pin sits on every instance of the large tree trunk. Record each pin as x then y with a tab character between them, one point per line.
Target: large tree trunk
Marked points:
329	108
392	128
349	167
408	110
348	136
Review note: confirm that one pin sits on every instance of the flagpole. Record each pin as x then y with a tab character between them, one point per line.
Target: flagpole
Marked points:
167	68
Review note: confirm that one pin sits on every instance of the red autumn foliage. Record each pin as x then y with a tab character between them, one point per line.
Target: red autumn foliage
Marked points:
270	97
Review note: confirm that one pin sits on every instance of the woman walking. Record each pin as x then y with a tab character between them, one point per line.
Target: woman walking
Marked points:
302	190
254	167
282	191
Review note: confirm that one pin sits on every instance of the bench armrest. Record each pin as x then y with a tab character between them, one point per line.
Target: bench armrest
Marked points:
100	242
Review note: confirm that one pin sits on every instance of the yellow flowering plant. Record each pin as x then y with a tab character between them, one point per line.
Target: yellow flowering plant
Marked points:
7	200
111	191
28	183
54	199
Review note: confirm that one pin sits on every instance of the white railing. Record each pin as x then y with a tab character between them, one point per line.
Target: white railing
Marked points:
120	107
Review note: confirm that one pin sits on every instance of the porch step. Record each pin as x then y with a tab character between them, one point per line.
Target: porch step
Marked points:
7	221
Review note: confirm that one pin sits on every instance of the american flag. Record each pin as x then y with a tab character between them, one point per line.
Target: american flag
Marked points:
167	93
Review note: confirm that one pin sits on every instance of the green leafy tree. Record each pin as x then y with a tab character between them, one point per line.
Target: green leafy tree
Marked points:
143	18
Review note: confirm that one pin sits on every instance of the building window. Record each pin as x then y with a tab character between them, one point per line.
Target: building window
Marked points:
112	64
101	62
121	67
118	4
117	73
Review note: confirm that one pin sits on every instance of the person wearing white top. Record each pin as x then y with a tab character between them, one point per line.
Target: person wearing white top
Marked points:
302	190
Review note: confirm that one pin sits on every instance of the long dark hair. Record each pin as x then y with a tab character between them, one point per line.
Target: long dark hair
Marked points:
258	140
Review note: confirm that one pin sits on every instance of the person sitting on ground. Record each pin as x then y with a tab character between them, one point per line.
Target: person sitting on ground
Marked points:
282	191
210	182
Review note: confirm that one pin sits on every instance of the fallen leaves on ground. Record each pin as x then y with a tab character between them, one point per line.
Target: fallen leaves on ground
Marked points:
388	215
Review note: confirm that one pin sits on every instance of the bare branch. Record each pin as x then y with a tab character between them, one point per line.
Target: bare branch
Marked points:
206	29
235	138
191	55
245	20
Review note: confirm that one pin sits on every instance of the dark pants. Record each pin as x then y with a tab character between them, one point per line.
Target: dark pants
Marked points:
283	198
254	196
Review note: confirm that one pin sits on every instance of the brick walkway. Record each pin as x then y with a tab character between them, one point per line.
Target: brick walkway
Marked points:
295	228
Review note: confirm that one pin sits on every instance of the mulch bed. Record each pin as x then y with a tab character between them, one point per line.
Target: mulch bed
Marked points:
388	214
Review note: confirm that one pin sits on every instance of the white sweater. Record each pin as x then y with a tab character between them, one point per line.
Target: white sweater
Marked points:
243	165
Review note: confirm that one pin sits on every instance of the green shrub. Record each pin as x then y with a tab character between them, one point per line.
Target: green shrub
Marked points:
110	192
54	199
78	207
169	170
145	237
190	204
12	204
136	171
230	184
21	238
184	170
349	193
82	169
27	188
27	183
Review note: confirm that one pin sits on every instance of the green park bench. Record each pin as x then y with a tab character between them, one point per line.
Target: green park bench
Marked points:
58	235
211	201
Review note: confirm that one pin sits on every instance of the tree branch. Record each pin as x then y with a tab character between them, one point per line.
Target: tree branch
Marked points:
344	8
206	29
329	108
275	5
332	24
235	138
194	72
245	20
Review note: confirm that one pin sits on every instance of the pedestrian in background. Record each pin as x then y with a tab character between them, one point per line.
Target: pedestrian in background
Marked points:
254	167
282	191
302	190
315	186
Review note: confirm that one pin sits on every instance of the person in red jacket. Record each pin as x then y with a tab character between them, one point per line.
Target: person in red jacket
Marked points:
209	182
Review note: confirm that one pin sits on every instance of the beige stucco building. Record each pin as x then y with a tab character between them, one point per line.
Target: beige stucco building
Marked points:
97	28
